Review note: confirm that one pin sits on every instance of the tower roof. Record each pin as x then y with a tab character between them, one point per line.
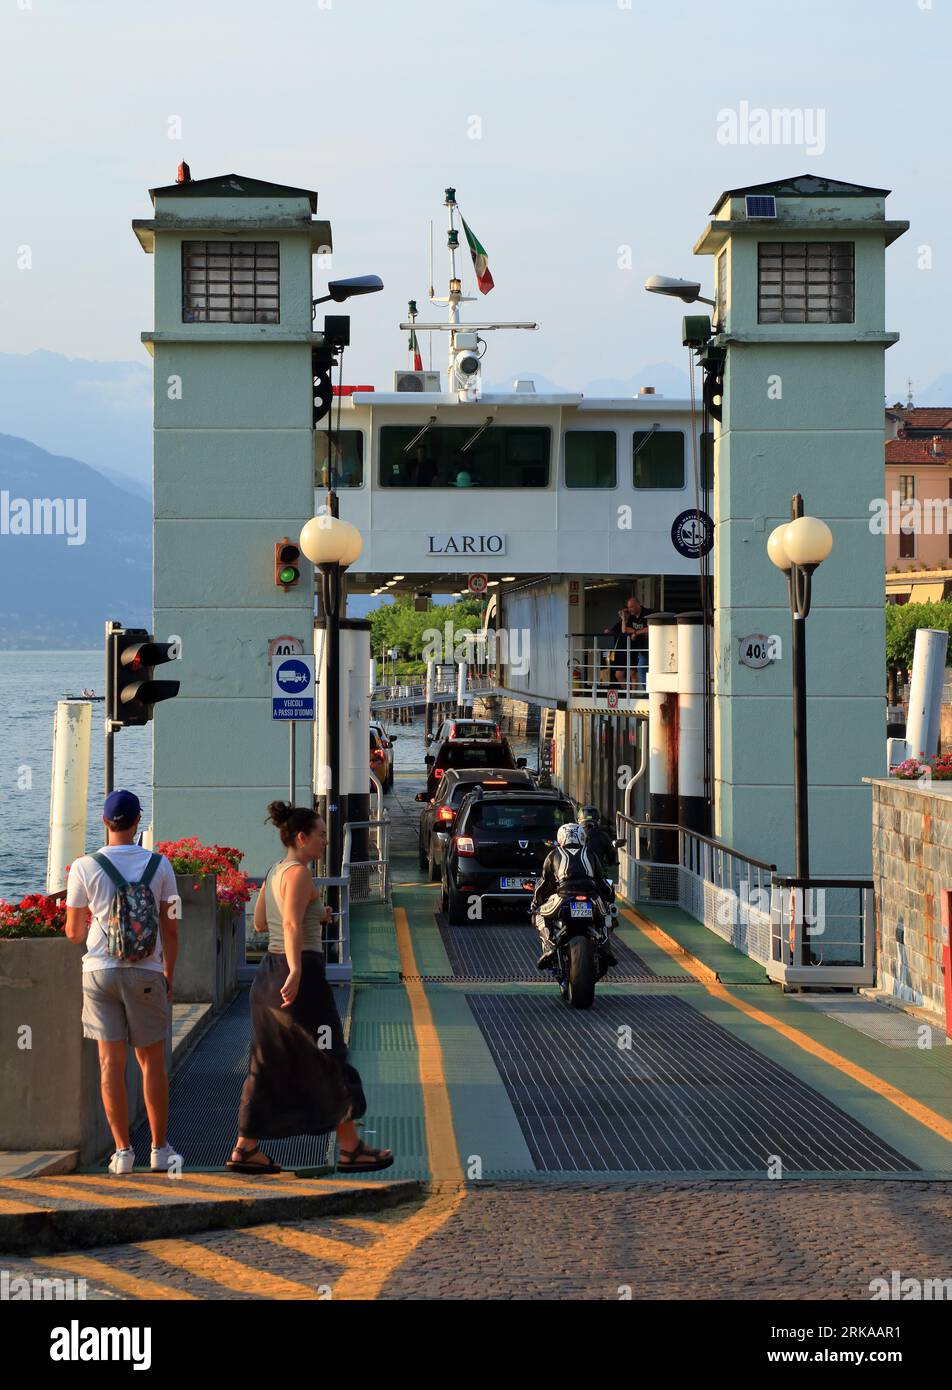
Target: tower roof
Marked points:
232	186
806	186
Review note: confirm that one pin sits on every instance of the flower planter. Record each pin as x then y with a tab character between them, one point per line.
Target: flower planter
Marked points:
49	1073
206	970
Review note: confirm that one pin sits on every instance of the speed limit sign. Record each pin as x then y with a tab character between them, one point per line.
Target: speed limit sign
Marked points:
478	583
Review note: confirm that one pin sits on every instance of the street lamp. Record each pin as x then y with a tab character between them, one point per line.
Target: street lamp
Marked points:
688	291
797	548
332	545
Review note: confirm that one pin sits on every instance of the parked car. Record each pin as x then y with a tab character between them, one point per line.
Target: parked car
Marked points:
437	817
498	847
467	752
381	758
466	728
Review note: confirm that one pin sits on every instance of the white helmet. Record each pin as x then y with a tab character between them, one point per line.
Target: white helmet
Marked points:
570	834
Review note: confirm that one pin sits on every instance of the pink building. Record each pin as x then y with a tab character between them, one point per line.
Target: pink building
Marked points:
918	498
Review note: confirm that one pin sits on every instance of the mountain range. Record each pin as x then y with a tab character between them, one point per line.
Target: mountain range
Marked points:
56	590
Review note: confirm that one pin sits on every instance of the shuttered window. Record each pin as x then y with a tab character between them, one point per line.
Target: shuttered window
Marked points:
805	282
230	282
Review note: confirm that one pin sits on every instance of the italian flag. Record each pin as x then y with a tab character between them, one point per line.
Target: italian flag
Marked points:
480	260
415	349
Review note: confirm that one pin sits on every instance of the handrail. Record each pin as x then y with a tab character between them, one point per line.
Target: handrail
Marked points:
705	839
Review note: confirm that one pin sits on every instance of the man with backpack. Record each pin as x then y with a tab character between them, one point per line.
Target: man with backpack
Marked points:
132	928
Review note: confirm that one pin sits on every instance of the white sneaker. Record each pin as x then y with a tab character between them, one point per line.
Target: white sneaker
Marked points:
165	1158
122	1161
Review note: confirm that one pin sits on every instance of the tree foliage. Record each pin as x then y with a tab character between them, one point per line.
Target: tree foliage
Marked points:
903	621
400	625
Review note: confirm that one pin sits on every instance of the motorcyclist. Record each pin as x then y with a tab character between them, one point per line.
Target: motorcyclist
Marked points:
569	868
597	838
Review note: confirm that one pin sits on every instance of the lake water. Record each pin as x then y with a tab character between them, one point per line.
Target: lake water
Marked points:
30	685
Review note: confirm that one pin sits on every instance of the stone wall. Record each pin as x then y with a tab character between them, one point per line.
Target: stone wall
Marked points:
912	864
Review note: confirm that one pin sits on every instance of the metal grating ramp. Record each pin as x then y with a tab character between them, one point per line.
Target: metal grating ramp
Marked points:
204	1095
504	954
685	1097
884	1025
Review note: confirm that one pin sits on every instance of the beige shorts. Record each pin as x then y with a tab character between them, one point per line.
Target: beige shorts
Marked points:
126	1004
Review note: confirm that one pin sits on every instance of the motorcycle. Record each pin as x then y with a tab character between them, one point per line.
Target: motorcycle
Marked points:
580	929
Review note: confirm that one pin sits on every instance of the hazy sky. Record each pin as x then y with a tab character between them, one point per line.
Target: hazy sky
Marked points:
598	129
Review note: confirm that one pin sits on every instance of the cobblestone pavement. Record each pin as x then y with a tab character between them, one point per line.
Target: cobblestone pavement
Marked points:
720	1240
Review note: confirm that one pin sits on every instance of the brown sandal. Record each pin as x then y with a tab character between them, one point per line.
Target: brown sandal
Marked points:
244	1167
380	1158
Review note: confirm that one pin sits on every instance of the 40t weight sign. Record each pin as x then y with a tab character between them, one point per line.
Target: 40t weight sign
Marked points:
758	650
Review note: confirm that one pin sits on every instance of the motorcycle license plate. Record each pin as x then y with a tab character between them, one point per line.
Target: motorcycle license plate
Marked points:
581	909
510	883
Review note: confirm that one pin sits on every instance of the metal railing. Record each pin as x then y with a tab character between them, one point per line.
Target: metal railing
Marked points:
368	879
599	663
815	932
336	934
414	692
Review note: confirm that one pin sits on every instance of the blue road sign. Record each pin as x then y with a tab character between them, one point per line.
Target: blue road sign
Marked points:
292	688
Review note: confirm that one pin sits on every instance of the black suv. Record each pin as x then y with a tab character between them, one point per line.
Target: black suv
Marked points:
466	728
482	753
498	847
439	814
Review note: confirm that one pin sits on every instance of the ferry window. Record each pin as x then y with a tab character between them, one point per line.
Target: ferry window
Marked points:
230	282
805	282
348	458
590	458
501	456
658	459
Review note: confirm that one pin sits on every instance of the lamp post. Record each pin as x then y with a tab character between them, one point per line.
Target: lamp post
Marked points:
332	545
798	548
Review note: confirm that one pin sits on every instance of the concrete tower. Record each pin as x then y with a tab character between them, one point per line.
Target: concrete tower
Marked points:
800	275
233	473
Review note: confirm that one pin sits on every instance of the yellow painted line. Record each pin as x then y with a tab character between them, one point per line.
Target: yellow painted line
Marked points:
338	1252
437	1113
363	1223
931	1119
102	1273
43	1187
381	1260
19	1208
219	1269
674	949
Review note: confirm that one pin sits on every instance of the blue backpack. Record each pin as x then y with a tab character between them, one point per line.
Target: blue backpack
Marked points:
133	925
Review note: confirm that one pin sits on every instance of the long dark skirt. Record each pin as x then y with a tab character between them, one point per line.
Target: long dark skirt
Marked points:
299	1080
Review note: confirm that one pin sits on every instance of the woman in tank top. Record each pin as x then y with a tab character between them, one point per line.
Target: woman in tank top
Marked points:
299	1079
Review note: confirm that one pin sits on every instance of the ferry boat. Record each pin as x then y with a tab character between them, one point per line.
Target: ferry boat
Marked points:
563	505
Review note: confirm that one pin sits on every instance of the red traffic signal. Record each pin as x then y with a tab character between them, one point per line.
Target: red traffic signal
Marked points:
287	564
132	692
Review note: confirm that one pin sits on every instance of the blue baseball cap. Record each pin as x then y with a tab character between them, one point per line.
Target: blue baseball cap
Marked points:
121	808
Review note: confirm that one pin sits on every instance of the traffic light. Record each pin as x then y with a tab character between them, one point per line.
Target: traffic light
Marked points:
131	658
287	564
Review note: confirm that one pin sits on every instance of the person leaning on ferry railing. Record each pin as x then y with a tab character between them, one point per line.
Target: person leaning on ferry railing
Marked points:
630	635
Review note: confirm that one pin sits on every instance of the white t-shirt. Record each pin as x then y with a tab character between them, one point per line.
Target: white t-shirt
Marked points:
90	886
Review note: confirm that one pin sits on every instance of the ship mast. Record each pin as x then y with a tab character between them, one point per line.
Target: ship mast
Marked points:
454	326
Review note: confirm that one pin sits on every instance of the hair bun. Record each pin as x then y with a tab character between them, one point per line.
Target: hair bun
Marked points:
279	812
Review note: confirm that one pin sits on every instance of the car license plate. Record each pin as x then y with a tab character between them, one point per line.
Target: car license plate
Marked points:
510	883
581	909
